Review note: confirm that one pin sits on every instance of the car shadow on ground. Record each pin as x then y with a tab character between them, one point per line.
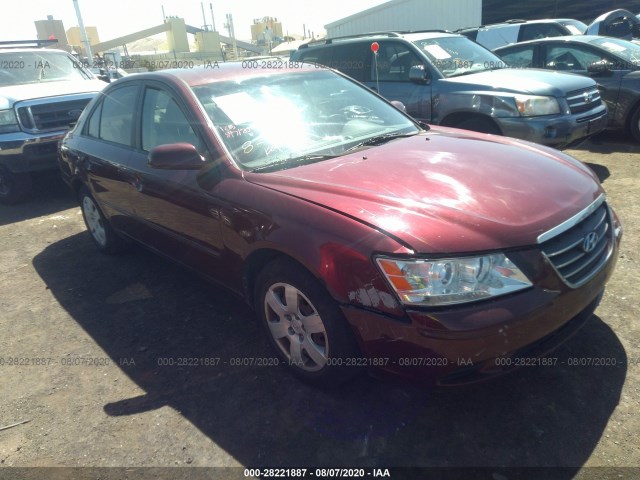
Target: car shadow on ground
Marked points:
607	142
50	195
141	308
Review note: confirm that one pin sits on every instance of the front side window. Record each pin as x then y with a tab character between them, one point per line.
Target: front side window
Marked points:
393	62
519	57
163	122
534	31
279	121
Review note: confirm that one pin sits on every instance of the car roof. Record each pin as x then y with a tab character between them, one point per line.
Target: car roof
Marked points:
411	36
564	38
513	23
220	72
30	50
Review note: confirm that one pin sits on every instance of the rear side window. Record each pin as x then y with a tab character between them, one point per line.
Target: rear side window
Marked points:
116	115
494	37
93	125
352	59
321	56
518	57
533	31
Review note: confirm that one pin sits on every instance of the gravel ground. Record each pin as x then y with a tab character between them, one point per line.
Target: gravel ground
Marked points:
86	340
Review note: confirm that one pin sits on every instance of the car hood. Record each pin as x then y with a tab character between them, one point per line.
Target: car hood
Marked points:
15	93
532	81
447	190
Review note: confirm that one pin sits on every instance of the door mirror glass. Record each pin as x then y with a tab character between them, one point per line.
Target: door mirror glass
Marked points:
419	74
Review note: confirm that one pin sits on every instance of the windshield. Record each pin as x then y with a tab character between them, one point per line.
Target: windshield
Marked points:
19	68
280	121
628	51
454	56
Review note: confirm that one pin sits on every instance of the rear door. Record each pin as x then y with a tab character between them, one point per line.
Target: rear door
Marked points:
105	150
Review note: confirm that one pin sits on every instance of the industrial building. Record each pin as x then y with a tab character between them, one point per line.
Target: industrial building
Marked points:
409	15
405	15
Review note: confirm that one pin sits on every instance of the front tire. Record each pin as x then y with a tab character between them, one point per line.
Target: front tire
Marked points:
14	187
305	325
102	234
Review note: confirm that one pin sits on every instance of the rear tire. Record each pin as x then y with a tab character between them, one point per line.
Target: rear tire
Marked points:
481	125
14	187
305	325
101	231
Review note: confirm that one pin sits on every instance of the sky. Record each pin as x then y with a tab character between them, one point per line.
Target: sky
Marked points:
115	18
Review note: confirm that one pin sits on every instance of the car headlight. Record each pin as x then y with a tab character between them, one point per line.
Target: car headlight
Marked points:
8	122
533	105
446	281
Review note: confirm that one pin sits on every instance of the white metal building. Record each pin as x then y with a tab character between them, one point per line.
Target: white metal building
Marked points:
410	15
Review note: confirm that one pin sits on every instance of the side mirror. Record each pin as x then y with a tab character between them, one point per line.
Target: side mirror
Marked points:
600	67
399	105
420	75
176	156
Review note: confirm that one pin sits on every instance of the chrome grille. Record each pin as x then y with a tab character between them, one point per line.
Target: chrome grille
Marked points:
578	253
584	100
51	116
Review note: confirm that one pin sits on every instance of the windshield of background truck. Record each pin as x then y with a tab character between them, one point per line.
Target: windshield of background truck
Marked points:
277	120
454	56
20	68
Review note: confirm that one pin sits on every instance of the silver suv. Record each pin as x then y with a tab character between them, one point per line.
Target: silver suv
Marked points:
447	79
42	93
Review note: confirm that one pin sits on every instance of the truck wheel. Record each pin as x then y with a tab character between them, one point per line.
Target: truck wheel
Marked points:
481	125
14	187
305	325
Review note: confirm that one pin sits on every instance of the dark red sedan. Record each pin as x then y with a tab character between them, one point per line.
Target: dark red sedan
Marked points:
361	238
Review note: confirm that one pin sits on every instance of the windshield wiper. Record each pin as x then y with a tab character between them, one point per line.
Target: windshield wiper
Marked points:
291	161
379	140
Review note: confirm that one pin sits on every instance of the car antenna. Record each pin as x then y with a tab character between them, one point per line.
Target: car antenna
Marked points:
375	46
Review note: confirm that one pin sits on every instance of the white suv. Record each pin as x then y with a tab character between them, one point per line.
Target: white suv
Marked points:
513	31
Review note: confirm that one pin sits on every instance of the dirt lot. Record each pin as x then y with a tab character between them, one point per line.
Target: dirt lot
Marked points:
86	339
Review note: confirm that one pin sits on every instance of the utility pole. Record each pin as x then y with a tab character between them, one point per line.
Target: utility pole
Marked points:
232	34
204	19
83	34
213	22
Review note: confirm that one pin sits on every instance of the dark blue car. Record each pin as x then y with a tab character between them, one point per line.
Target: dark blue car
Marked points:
612	62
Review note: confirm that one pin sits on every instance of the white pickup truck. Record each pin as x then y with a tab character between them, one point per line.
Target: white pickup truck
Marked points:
42	93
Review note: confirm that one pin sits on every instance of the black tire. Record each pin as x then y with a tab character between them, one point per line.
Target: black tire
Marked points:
634	125
100	230
479	124
335	342
14	187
